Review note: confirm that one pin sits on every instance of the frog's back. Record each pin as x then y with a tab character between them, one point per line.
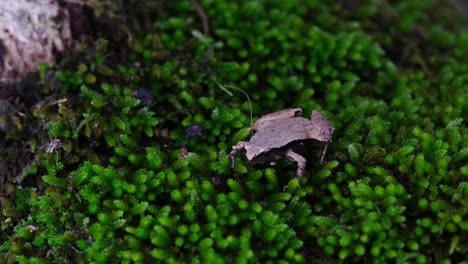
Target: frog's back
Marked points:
281	133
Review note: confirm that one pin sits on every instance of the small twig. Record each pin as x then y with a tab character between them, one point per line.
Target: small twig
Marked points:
202	15
59	101
323	153
74	248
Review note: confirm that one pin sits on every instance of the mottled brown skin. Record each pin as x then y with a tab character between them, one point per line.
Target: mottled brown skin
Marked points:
282	134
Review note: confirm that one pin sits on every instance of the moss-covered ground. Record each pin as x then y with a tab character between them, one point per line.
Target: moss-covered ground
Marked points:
136	180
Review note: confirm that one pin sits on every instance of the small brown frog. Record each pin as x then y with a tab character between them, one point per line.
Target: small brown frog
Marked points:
282	134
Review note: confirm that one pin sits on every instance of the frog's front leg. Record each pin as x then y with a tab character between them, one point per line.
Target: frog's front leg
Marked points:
301	162
235	151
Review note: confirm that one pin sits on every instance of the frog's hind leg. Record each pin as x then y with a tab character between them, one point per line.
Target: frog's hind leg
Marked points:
301	162
235	151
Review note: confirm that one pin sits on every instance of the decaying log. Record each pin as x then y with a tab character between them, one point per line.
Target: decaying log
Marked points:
33	32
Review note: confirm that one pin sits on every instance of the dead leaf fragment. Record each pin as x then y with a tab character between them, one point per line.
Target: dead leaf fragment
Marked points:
32	228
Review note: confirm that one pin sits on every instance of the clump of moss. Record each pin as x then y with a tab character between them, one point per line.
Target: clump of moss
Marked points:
128	183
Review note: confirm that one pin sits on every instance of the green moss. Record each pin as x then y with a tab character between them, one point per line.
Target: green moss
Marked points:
130	183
